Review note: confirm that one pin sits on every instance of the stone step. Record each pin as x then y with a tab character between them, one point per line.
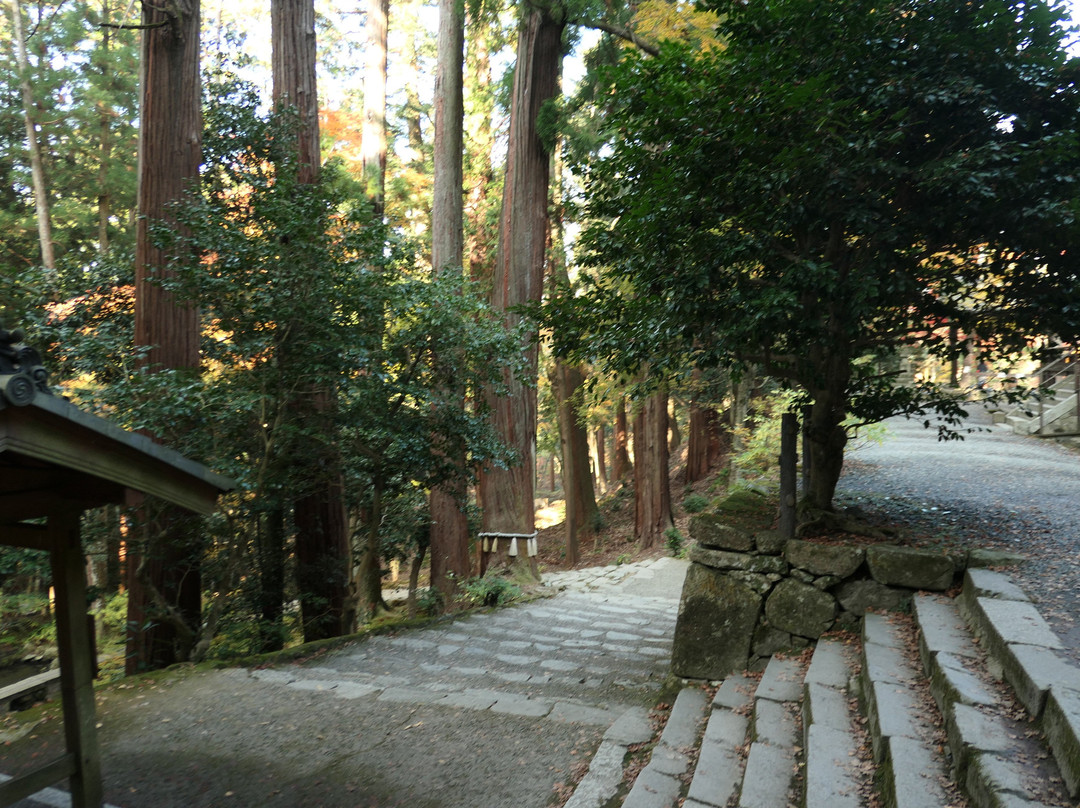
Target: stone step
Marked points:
660	783
997	755
1024	651
835	776
965	701
912	771
773	758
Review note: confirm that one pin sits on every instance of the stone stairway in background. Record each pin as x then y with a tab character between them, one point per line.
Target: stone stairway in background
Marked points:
964	701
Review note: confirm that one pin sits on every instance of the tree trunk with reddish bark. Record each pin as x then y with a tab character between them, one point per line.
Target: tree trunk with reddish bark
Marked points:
580	497
163	575
507	495
652	491
703	442
322	543
450	562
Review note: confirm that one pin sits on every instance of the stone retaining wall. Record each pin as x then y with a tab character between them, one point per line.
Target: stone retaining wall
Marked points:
750	595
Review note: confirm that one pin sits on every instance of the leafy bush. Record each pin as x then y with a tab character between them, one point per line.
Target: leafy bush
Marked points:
493	591
695	503
113	614
675	542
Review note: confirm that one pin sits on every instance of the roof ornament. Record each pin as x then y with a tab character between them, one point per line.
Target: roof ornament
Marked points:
22	376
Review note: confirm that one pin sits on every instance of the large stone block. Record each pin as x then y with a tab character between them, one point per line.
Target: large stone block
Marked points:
824	559
859	597
709	530
717	615
910	567
770	542
725	560
1061	725
800	609
769	640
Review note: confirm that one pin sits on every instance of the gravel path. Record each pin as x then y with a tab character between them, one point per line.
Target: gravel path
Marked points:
992	489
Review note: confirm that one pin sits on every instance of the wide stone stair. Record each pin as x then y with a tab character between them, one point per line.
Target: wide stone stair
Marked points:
965	701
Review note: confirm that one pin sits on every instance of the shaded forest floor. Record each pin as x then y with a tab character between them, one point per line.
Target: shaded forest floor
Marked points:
614	542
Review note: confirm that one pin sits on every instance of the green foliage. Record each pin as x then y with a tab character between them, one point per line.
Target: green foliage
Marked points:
16	562
695	503
674	542
839	182
490	591
300	289
84	82
113	613
429	601
761	437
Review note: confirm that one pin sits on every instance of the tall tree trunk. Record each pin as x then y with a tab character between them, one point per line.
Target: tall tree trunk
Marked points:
373	142
675	439
293	56
37	166
104	200
450	562
826	439
507	494
621	464
703	440
601	457
568	383
581	510
652	490
482	235
167	573
322	536
270	559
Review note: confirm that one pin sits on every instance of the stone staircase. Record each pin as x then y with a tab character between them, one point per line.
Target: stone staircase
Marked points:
1059	416
965	701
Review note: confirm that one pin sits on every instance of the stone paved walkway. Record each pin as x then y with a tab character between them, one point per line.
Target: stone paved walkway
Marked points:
487	710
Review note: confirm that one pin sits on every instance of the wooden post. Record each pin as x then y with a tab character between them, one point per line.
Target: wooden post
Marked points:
806	451
789	434
76	663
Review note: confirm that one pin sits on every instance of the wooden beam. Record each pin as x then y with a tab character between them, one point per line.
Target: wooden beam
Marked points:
29	537
19	788
76	662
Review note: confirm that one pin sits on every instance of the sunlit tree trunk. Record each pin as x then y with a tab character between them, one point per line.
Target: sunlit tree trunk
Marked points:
37	166
104	200
449	546
580	496
600	439
373	143
621	460
479	143
507	494
166	574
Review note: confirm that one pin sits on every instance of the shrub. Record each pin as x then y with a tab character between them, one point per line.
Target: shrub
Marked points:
493	591
695	503
675	542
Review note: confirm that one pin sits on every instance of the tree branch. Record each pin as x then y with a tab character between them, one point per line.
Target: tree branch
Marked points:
621	32
116	27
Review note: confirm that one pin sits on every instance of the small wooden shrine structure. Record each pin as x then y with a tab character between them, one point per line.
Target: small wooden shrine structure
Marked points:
55	462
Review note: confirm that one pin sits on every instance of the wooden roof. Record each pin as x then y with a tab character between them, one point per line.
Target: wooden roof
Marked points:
54	454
